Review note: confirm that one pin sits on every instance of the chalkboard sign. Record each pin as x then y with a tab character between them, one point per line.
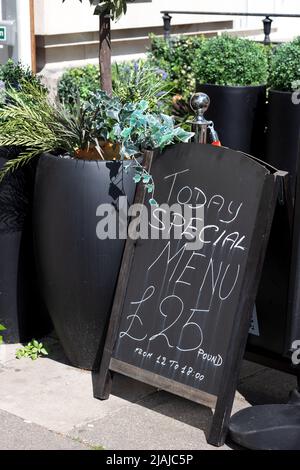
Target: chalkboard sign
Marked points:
181	315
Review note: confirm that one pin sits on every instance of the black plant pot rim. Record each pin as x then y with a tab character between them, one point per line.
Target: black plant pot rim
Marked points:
68	157
232	87
280	92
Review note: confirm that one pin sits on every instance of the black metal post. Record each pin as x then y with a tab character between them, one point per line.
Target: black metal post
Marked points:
267	30
167	26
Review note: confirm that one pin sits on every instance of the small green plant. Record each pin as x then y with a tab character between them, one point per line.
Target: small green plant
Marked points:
78	82
285	66
134	81
233	61
174	59
15	75
32	350
2	328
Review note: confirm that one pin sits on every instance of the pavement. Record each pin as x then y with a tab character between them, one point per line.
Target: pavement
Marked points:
48	404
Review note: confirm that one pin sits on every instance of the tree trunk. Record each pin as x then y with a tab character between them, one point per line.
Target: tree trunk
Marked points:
105	54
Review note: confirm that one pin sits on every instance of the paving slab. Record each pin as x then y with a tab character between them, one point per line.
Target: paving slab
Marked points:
58	399
159	422
15	434
58	396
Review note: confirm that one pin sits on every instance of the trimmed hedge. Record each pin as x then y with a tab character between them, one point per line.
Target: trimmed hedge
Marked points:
285	66
227	60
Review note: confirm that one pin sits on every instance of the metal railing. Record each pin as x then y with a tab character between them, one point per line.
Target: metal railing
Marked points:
267	21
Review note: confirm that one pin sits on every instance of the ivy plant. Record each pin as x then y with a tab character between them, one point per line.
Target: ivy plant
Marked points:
132	125
32	350
134	129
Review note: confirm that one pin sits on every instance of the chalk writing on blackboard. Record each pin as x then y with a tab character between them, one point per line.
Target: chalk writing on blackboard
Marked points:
173	344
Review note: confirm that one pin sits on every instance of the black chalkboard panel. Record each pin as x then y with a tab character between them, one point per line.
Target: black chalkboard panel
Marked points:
181	315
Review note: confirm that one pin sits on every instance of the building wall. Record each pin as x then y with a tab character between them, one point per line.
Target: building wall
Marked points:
73	39
19	12
67	33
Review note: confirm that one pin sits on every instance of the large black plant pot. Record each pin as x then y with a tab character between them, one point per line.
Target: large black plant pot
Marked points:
78	272
21	309
283	133
238	113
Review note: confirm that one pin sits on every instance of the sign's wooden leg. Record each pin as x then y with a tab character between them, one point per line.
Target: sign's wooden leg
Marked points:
102	384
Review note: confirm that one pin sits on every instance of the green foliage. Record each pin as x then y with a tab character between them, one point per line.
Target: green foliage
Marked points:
115	7
134	81
28	120
78	82
285	66
15	75
227	60
175	60
32	350
135	129
132	125
2	328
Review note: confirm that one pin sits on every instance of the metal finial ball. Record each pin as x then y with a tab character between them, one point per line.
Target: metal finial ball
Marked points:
200	102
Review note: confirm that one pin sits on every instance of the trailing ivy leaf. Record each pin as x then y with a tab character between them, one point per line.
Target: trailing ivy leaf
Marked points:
183	135
146	178
113	114
150	188
153	202
137	178
130	149
165	140
126	132
143	105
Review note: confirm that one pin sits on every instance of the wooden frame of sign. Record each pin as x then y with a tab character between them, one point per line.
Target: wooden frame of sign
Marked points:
204	376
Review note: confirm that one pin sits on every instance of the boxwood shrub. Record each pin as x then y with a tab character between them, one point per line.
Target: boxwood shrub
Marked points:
175	58
77	83
228	60
14	74
285	66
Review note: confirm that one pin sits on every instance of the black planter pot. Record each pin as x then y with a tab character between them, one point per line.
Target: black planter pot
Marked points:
22	311
239	116
283	133
278	295
78	272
